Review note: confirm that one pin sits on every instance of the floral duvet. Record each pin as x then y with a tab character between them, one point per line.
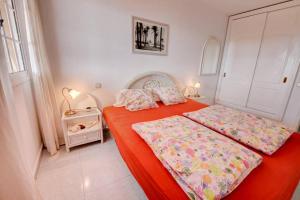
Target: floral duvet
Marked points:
204	163
260	133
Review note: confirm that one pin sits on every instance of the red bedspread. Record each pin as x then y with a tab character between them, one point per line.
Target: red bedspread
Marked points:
276	178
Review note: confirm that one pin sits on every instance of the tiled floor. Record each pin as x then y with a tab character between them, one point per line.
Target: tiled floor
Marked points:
91	172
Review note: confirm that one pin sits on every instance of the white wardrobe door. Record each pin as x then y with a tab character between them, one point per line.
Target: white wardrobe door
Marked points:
275	73
240	56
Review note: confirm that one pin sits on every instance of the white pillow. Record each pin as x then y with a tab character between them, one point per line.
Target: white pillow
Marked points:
169	95
153	94
135	99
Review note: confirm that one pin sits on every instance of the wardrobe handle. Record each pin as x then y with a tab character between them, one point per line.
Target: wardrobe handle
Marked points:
224	75
284	80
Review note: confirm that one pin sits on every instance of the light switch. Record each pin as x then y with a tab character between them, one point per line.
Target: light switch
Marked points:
98	85
298	84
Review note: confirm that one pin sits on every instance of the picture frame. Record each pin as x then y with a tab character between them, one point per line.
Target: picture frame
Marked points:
149	37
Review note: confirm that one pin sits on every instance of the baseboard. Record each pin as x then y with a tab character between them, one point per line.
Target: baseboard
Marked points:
37	162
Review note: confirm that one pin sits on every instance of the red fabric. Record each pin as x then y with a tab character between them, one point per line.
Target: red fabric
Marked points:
276	178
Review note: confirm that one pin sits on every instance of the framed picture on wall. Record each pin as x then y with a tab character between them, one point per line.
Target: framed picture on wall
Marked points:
149	37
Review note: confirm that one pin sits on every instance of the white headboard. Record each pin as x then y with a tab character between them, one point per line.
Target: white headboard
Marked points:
151	80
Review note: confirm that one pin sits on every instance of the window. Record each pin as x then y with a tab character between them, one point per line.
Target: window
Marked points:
10	35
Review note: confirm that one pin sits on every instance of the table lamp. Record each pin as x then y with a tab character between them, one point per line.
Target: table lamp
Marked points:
197	86
73	94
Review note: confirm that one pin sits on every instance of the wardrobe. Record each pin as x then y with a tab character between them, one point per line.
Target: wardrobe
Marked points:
261	59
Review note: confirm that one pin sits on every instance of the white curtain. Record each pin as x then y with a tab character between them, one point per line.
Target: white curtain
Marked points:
15	181
43	85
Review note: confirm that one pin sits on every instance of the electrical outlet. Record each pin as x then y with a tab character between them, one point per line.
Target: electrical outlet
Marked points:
98	85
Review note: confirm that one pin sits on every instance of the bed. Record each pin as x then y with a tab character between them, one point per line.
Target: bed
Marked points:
261	133
276	178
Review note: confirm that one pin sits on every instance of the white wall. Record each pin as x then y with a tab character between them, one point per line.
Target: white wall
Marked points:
90	41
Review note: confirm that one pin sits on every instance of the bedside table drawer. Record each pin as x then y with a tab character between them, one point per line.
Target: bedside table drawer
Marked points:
84	138
76	139
92	136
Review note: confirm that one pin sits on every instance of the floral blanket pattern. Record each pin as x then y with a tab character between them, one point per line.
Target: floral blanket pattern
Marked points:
135	99
169	95
205	164
260	133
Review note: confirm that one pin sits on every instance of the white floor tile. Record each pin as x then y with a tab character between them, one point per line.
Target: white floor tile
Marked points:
90	172
119	190
296	195
137	188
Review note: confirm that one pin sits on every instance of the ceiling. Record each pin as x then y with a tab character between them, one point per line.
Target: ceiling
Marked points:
237	6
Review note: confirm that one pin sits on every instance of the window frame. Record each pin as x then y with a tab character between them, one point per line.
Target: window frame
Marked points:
17	77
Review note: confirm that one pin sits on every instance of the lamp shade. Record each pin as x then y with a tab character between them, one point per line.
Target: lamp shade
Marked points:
74	93
197	85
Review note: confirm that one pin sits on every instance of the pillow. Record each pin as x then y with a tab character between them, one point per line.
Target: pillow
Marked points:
153	94
121	98
135	99
169	95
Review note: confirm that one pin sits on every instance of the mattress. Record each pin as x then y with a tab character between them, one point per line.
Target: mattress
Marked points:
276	178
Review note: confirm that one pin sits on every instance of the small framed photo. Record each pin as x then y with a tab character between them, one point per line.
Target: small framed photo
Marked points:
149	37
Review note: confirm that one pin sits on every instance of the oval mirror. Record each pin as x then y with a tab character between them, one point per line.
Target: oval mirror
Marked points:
210	57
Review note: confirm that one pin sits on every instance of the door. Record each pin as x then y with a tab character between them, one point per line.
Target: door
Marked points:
277	63
243	43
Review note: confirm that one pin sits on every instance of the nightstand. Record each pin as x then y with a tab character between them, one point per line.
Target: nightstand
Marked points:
83	127
202	99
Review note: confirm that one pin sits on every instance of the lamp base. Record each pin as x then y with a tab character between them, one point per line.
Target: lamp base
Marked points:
70	112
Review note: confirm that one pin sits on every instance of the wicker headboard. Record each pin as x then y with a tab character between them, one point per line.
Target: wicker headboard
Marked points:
151	80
